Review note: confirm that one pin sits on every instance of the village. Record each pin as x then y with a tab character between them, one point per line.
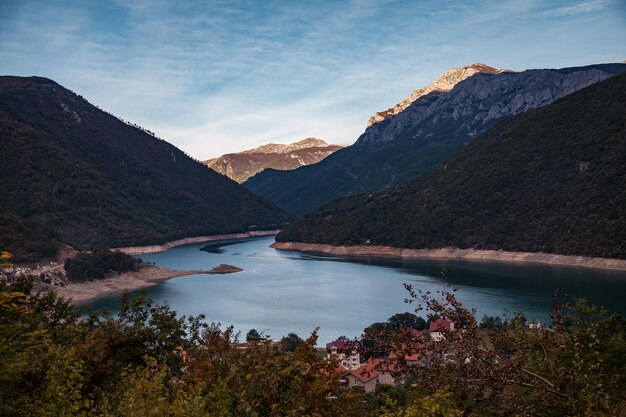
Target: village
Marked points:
394	368
379	371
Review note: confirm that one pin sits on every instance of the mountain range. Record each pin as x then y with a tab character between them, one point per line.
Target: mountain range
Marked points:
242	165
420	134
98	181
549	180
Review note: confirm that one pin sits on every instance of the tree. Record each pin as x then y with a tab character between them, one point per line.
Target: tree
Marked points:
84	266
570	370
290	342
385	330
149	361
489	322
5	258
410	320
253	336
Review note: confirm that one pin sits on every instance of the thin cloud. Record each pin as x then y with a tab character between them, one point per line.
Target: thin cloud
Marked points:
584	7
220	76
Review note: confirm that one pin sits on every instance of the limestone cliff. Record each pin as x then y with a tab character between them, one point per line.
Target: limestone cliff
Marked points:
443	84
472	104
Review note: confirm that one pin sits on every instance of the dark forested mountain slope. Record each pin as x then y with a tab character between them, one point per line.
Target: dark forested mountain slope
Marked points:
549	180
99	181
414	140
26	240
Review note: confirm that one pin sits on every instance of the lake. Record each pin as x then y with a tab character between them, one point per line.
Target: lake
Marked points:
281	292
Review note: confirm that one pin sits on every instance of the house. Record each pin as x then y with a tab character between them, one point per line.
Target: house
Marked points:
416	334
438	328
368	376
343	382
411	359
346	351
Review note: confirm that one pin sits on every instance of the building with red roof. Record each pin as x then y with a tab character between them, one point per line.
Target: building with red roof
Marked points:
347	351
368	376
438	328
410	359
439	324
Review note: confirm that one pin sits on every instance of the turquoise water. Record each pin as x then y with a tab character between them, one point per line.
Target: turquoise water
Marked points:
280	292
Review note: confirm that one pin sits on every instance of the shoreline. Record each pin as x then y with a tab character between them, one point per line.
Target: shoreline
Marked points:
84	292
455	253
141	250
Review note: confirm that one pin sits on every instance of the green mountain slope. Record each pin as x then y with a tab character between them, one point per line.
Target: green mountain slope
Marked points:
552	180
99	181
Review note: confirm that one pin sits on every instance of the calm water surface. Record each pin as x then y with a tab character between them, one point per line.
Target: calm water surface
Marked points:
280	292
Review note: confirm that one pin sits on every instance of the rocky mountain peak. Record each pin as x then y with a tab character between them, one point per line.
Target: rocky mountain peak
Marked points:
308	143
443	84
243	165
282	148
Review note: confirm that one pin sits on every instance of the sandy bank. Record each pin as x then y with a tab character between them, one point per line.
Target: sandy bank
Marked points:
139	250
454	253
147	276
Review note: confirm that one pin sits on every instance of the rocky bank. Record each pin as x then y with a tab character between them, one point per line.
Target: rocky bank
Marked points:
455	253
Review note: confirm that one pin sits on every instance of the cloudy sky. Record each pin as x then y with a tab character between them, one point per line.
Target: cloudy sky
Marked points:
221	76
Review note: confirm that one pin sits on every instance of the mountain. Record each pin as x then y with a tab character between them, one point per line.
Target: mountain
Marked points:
97	180
243	165
423	135
443	84
549	180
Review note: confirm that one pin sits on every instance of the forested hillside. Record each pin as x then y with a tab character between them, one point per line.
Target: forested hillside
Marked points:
26	240
99	181
550	180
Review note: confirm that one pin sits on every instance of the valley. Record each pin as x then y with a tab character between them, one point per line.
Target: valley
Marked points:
464	256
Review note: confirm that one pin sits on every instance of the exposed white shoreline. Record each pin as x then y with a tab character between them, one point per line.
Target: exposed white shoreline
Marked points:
146	276
140	250
455	253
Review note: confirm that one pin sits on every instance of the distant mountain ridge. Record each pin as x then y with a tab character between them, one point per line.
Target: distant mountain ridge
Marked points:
242	165
98	181
550	180
424	134
289	147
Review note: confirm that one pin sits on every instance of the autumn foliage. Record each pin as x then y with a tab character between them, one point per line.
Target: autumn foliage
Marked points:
148	361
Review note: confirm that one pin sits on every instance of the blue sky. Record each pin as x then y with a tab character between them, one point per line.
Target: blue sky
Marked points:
222	76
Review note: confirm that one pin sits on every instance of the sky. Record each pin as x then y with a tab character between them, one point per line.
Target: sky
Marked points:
214	77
